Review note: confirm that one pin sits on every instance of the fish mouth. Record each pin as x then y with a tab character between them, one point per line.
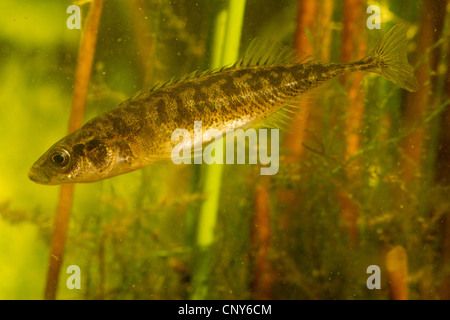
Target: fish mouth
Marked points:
38	176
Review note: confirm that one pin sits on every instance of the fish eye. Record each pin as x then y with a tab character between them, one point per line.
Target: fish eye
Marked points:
60	158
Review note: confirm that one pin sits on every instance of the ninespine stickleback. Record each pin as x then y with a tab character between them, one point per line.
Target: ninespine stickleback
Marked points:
138	131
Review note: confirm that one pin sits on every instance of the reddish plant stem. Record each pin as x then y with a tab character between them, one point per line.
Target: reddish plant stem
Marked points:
82	76
353	48
261	286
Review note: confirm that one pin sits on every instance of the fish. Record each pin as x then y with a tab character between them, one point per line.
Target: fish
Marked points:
255	89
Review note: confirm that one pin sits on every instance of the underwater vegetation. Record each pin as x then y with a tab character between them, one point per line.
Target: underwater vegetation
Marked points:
362	187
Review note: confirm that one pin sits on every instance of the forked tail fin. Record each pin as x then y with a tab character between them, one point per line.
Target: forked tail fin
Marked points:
390	59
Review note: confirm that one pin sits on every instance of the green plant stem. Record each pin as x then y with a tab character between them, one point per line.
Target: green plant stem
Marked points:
227	38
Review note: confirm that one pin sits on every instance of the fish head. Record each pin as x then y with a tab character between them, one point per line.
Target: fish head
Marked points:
78	157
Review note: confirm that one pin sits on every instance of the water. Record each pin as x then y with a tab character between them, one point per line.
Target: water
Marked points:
348	189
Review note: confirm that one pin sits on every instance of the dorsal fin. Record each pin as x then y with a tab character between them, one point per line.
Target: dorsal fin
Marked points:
260	52
268	52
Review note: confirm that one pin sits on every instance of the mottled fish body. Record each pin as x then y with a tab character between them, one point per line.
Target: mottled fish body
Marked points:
138	132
